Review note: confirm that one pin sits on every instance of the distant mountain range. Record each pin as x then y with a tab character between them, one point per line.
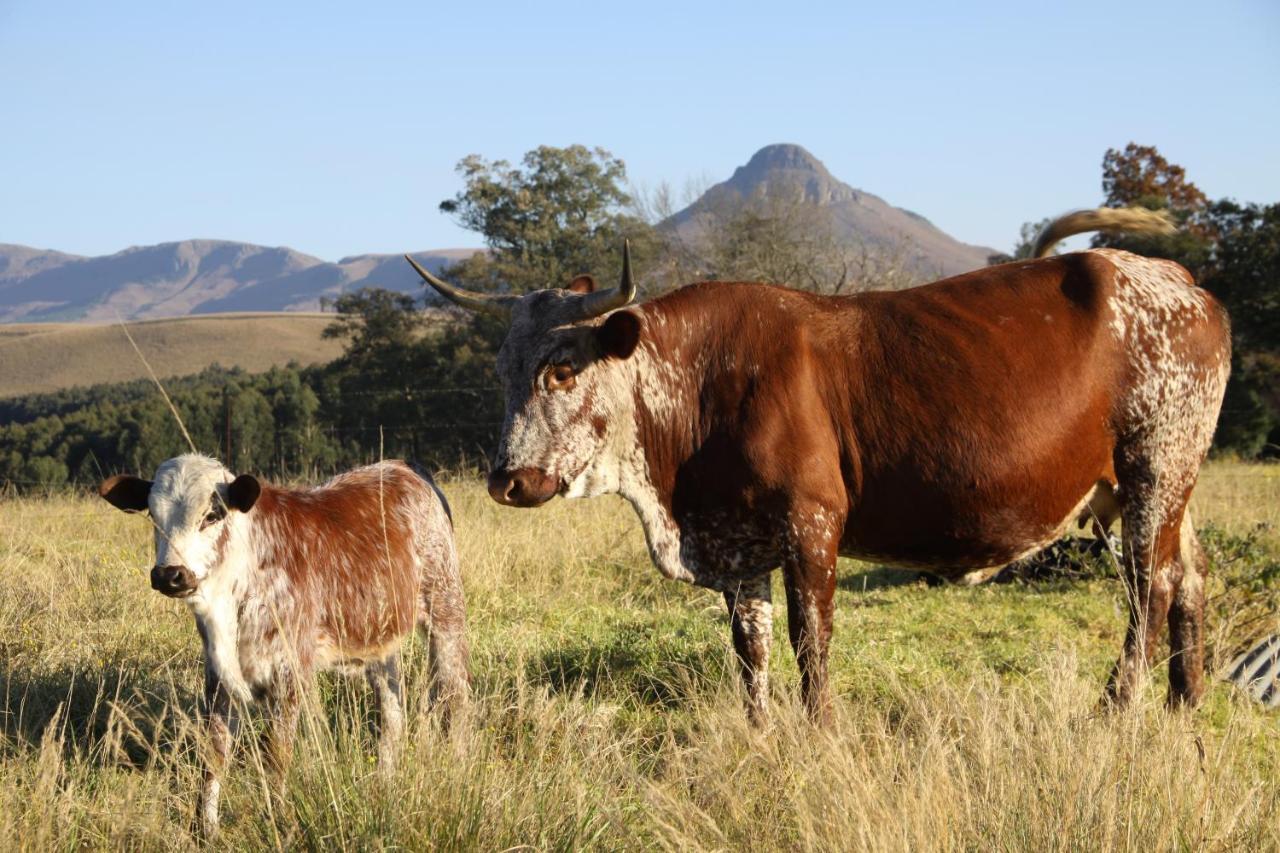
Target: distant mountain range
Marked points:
211	276
190	277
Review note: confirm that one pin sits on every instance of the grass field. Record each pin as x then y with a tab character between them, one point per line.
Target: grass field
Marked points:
607	710
40	357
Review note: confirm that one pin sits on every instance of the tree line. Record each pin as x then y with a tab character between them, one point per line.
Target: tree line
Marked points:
422	385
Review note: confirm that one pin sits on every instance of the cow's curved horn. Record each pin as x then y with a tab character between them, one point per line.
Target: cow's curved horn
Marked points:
485	303
604	301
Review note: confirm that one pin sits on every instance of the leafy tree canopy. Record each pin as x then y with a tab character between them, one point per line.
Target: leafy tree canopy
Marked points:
560	214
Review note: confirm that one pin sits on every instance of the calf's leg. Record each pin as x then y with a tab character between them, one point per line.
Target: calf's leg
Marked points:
276	744
220	724
388	690
444	625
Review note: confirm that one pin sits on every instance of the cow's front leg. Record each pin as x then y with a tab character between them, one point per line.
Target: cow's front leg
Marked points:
809	574
220	724
751	617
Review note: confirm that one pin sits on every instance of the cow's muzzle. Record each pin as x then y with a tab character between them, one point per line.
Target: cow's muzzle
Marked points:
173	581
525	487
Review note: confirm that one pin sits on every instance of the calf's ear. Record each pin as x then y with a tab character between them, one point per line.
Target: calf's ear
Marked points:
619	335
125	492
582	284
242	493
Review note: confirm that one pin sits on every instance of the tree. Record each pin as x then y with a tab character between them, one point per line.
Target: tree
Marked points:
1026	243
1140	176
561	214
1246	276
782	239
372	318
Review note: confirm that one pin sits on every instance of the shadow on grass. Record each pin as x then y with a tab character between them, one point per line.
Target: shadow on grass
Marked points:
1068	560
881	577
123	716
632	662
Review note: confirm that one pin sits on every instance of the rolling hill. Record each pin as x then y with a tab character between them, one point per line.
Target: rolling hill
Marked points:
42	357
190	277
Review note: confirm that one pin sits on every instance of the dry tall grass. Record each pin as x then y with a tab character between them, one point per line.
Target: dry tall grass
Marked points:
607	711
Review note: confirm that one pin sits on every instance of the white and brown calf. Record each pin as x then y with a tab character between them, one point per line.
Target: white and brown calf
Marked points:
284	583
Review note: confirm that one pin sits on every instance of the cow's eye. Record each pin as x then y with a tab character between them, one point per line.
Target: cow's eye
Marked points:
212	517
560	377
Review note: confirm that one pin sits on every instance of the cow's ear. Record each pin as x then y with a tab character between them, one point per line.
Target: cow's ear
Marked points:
242	492
126	492
619	335
583	284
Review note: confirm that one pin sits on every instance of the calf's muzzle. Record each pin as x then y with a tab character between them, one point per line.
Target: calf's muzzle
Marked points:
526	487
173	581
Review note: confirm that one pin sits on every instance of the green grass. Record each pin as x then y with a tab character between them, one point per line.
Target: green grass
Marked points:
607	711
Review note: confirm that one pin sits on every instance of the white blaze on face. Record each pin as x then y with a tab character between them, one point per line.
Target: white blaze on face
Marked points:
559	427
197	530
188	518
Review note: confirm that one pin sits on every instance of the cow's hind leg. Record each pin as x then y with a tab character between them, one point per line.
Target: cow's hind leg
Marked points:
384	678
809	575
751	617
1155	492
1186	621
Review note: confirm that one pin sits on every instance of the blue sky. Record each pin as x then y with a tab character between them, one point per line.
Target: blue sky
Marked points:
335	128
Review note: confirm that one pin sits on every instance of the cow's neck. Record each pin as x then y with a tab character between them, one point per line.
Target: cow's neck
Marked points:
664	379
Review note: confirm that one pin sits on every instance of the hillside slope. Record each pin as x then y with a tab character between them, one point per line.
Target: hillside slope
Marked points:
190	277
41	357
790	172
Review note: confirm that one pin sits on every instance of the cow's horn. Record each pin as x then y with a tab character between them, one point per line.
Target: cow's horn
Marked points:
485	303
604	301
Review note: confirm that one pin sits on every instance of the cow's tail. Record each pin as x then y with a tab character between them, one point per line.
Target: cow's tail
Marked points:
1138	220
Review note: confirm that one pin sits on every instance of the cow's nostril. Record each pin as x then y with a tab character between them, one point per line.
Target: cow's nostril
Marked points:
501	484
172	579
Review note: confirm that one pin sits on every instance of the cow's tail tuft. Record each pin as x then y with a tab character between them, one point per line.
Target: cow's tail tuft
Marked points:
1138	220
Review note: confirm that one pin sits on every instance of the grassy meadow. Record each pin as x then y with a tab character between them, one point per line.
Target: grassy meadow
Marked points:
607	711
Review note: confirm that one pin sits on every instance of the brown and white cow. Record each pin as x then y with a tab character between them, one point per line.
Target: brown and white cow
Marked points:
951	427
286	582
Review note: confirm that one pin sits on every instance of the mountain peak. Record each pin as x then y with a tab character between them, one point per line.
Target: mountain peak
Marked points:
785	156
788	170
791	174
